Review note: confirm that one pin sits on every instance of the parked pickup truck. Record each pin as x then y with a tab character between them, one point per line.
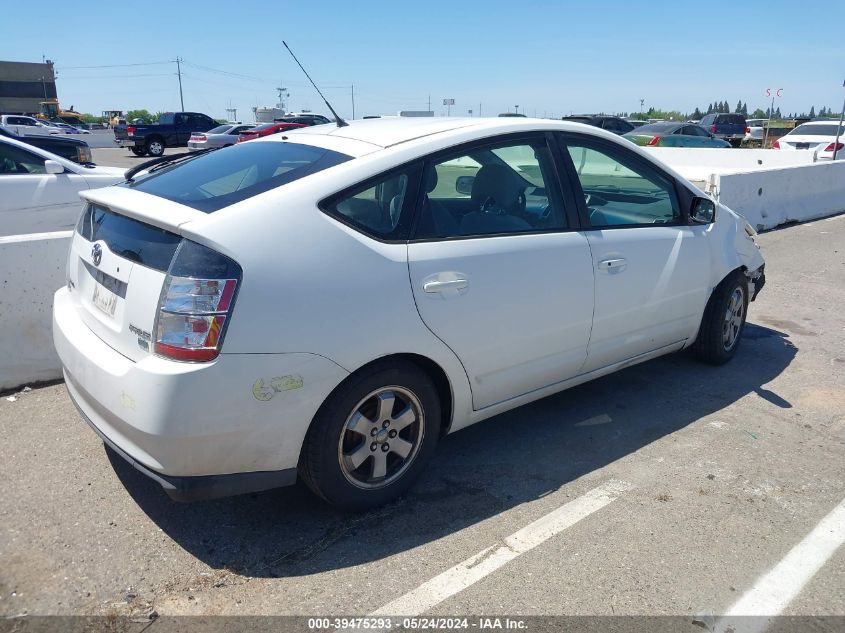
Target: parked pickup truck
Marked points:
172	130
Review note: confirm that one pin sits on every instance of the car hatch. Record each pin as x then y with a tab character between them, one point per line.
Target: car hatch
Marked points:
116	269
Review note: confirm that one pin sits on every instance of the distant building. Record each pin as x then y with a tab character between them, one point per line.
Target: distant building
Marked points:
25	86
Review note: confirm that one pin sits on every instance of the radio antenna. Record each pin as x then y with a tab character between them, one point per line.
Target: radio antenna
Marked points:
340	122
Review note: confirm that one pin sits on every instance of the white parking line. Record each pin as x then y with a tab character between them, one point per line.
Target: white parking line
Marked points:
775	590
473	569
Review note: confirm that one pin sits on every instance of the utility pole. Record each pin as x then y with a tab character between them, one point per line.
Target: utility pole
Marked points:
179	72
429	102
642	103
516	107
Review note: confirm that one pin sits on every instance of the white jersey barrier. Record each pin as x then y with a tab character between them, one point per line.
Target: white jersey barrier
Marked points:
32	268
776	196
768	187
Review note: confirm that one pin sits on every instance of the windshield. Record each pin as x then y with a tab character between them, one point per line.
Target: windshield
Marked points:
813	129
223	177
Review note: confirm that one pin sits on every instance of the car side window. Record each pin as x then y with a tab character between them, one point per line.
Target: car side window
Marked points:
620	190
379	207
490	190
14	160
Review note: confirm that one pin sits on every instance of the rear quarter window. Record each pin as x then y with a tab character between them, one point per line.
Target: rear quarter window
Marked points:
221	178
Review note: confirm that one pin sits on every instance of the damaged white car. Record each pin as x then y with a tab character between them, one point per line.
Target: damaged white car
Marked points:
329	303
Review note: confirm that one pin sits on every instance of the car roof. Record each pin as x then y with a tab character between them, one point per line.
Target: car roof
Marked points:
386	132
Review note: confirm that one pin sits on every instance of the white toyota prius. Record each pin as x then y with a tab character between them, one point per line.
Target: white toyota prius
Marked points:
329	303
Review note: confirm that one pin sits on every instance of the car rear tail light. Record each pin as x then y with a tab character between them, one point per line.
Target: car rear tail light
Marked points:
713	129
196	304
199	137
748	130
130	130
829	148
776	145
655	140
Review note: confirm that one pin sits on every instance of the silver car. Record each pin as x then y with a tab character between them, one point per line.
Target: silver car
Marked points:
220	136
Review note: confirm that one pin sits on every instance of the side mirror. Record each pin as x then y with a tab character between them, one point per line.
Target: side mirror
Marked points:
703	211
463	185
52	167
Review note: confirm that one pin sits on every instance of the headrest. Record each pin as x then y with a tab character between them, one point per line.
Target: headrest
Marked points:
499	183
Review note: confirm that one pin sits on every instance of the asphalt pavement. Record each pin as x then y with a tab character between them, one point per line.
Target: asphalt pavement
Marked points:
670	488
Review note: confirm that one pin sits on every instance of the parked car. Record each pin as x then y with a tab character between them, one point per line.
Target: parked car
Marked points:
172	130
329	303
816	136
68	148
755	130
305	118
26	126
674	135
266	130
41	190
728	127
68	129
610	123
220	136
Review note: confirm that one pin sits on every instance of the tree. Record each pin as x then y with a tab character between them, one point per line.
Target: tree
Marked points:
759	114
140	114
812	112
738	107
709	108
777	114
697	114
745	108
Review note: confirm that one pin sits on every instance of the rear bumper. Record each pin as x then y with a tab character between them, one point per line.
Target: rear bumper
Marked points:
128	142
198	488
200	429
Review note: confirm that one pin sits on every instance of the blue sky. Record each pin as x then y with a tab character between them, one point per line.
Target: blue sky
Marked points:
550	58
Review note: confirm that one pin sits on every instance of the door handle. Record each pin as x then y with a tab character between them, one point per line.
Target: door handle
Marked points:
436	286
613	265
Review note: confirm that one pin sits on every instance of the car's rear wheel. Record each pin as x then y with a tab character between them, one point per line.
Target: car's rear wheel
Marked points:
155	147
372	437
138	151
723	321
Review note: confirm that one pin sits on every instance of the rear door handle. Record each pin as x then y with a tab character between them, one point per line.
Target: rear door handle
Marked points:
436	285
613	265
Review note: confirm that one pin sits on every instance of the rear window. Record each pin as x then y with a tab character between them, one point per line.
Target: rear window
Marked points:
133	240
223	177
817	130
655	127
731	119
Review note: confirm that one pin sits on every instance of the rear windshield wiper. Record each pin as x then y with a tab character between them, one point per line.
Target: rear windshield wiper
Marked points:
163	161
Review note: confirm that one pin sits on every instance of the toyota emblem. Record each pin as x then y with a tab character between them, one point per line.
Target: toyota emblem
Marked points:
97	254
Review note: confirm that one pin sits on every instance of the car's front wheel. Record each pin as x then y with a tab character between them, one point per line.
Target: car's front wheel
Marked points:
723	321
372	437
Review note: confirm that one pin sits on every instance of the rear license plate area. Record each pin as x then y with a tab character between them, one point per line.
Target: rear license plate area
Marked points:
802	146
104	299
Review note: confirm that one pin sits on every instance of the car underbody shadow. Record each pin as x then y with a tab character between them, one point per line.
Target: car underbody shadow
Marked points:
476	473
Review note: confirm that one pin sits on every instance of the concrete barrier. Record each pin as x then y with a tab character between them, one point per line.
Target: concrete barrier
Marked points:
698	164
777	196
32	268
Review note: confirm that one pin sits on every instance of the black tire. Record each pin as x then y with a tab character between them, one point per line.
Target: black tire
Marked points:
138	151
331	446
155	147
721	330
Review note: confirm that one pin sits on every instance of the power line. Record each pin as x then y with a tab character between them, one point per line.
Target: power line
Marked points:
113	65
